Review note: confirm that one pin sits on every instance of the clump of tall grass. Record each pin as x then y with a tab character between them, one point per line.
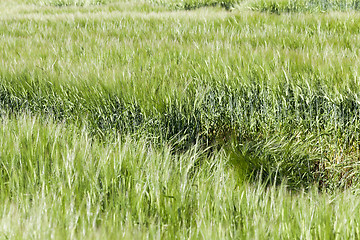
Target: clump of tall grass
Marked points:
278	159
194	4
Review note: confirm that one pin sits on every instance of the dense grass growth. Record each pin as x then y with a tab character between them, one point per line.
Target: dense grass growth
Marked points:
306	5
62	3
145	119
237	80
243	120
58	183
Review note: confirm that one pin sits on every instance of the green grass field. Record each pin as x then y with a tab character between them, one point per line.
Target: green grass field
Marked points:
192	119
